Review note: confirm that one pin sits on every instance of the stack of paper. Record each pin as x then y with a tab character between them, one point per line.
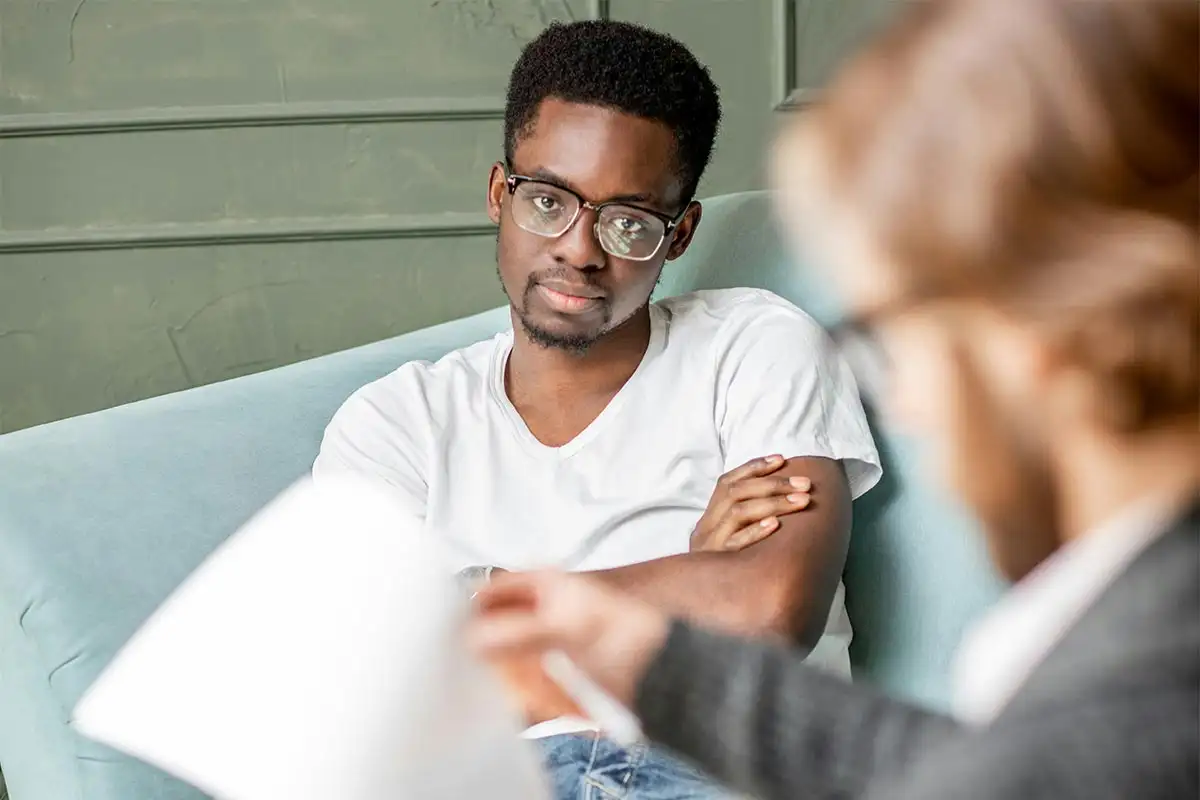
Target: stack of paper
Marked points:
317	654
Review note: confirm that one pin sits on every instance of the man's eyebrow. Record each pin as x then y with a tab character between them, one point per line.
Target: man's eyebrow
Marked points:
546	176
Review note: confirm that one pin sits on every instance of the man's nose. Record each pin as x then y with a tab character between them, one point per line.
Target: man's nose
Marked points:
578	247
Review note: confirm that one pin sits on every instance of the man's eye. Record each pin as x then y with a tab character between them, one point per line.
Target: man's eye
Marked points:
546	204
630	226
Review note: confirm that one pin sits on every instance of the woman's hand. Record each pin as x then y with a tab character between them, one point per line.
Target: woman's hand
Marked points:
538	697
611	636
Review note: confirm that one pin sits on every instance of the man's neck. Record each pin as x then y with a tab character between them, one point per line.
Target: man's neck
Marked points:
535	370
1102	476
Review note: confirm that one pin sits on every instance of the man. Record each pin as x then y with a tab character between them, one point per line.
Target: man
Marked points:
595	435
1008	189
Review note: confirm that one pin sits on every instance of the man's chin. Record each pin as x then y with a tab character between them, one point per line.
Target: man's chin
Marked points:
560	337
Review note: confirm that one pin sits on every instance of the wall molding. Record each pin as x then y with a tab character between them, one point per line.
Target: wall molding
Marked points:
262	115
210	234
796	99
335	112
786	94
783	14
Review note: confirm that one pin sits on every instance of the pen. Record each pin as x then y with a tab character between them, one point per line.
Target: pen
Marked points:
617	721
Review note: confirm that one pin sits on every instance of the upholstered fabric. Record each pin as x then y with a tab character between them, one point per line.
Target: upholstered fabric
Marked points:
103	515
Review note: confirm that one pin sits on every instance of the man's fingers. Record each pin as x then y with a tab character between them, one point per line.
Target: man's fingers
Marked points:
752	534
760	518
767	486
748	512
751	469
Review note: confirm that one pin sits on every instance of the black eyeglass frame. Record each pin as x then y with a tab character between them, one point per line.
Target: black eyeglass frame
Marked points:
669	223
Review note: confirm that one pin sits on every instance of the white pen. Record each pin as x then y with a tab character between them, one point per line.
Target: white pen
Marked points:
617	721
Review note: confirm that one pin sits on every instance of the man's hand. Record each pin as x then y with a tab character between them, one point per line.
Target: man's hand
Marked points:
746	506
611	636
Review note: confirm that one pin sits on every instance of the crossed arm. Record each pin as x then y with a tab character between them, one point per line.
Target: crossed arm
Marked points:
781	582
782	585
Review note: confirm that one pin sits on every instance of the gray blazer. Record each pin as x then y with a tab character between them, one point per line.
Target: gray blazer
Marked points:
1113	711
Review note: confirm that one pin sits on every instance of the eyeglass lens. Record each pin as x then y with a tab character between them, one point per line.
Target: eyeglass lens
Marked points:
623	231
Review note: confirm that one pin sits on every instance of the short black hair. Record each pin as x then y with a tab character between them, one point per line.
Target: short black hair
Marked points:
621	66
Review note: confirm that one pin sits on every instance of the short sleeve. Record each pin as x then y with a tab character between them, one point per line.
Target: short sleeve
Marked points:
781	388
380	434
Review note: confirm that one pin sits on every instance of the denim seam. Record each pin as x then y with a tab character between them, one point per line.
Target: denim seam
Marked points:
637	757
587	780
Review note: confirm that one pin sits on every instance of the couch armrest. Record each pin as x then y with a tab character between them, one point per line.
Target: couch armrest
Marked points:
102	516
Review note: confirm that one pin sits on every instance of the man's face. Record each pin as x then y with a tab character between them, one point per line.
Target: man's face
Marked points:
567	291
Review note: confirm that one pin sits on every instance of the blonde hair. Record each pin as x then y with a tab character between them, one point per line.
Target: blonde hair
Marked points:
1040	155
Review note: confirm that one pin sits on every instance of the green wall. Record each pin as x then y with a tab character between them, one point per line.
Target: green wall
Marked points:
196	190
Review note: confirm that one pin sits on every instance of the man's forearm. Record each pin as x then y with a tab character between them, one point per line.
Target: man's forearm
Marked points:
782	585
720	590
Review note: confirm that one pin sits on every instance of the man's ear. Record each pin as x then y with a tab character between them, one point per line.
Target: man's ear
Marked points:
496	191
684	230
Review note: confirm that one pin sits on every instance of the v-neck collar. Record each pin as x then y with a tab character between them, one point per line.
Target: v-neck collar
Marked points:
658	325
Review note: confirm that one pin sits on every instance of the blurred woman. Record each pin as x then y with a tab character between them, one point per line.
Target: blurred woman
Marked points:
1006	192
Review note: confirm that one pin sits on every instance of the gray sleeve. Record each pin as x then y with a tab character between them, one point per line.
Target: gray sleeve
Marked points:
756	718
1142	744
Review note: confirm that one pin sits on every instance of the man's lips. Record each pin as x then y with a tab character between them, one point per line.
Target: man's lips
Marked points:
567	298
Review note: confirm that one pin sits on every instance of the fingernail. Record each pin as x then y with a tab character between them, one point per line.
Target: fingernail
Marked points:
774	459
797	499
769	522
803	484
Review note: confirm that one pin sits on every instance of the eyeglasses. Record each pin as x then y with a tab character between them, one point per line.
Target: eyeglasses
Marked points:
624	231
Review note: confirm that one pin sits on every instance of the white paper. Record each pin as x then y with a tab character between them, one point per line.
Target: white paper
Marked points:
317	654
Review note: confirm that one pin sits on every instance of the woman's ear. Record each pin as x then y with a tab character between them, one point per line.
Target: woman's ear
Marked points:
496	191
684	231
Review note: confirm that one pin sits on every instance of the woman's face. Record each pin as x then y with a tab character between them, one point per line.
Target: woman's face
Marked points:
961	380
960	376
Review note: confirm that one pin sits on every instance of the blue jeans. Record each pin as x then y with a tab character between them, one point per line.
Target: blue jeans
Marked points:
587	766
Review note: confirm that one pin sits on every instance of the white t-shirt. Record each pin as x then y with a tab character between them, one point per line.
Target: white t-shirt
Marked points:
727	376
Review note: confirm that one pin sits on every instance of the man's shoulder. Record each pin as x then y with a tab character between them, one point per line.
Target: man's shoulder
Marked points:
421	384
734	313
455	369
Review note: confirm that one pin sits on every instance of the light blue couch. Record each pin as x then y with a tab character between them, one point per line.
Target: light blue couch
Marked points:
103	515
